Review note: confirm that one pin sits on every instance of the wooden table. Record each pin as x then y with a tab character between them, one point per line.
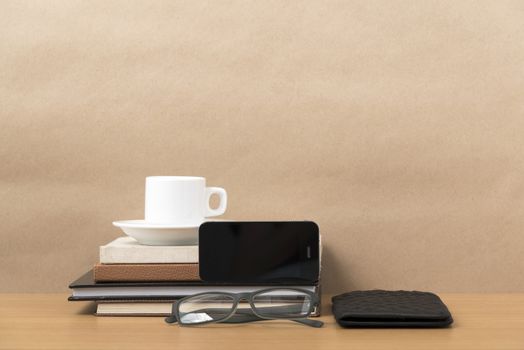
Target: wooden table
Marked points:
48	321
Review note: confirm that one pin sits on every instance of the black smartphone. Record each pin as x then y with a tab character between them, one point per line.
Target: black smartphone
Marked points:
259	252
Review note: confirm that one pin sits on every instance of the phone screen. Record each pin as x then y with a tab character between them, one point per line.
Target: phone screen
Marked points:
259	252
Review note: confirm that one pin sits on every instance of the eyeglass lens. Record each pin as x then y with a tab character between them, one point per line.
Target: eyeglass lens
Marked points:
205	308
282	303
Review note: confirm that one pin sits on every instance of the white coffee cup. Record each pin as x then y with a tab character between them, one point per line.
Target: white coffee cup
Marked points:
181	200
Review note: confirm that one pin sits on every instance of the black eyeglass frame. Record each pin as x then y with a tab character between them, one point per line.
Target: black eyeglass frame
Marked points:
252	314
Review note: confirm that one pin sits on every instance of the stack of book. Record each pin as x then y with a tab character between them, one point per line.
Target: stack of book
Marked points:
139	280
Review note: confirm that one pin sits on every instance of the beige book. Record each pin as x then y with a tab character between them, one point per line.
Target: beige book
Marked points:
134	309
126	250
145	308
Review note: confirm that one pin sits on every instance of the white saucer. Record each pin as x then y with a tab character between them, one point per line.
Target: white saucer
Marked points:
159	234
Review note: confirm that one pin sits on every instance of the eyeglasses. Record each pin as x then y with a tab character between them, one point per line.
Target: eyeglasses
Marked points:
292	304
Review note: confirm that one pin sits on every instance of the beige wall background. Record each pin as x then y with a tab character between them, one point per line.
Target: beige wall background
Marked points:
396	125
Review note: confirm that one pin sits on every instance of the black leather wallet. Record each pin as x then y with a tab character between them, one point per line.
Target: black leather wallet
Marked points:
381	308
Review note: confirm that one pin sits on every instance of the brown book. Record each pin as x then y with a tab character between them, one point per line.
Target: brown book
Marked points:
145	272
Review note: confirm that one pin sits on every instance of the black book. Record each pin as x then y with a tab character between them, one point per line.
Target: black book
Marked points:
85	288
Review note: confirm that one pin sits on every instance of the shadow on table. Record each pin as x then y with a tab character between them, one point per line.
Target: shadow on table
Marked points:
87	309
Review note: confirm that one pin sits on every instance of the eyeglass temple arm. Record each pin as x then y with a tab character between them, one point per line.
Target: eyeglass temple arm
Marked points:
243	318
171	318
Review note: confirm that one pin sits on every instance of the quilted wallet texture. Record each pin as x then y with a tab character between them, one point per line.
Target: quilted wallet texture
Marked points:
381	308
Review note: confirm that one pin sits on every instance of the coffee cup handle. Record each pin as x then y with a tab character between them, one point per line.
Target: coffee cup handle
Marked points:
223	201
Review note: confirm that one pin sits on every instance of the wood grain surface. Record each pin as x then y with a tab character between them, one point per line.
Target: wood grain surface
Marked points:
48	321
